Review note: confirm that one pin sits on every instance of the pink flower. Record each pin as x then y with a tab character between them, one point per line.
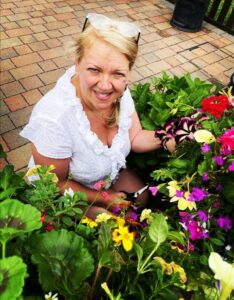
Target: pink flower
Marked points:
99	185
105	195
231	167
227	139
153	190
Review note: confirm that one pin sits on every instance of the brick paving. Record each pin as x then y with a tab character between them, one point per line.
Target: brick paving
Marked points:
33	34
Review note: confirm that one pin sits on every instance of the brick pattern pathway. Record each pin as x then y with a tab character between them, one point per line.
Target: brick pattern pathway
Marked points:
33	33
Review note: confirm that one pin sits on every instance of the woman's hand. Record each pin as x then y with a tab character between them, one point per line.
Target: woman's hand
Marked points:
112	199
171	145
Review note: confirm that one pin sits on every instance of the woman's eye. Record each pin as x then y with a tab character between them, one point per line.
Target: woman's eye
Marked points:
94	70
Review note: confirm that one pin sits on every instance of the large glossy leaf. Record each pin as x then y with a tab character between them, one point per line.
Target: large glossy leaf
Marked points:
12	274
63	262
158	229
17	218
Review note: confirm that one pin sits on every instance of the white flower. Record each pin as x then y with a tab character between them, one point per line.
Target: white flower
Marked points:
224	272
49	296
69	192
145	215
228	247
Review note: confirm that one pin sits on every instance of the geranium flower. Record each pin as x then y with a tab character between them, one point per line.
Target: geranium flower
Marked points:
227	140
183	201
122	235
89	222
223	272
216	105
204	136
224	222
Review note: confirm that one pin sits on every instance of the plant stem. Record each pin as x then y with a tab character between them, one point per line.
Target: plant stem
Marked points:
141	269
3	249
91	291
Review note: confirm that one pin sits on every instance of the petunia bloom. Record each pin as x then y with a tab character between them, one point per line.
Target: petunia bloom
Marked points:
224	272
183	201
227	140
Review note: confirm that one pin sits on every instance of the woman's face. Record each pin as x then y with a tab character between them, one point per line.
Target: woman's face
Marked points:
103	73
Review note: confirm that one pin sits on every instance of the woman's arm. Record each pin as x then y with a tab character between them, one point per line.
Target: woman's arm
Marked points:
145	140
62	170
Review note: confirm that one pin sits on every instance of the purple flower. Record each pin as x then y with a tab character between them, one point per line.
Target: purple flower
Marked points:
196	231
197	194
179	194
219	188
219	160
205	176
202	215
205	148
191	246
224	222
231	167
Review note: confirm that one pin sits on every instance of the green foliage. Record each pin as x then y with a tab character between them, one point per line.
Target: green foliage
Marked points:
63	262
13	271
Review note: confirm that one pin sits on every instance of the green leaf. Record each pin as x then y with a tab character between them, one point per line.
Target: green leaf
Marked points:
63	261
13	271
158	229
17	218
177	237
139	251
216	242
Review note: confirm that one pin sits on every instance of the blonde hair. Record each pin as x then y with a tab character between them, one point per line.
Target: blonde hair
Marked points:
125	45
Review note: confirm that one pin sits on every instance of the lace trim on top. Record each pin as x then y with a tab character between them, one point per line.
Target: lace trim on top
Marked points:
117	157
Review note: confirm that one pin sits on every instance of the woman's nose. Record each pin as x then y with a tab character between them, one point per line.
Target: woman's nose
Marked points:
104	83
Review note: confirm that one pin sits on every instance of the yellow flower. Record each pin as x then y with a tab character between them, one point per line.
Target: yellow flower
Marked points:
180	270
120	221
33	171
204	136
89	222
165	266
145	215
183	202
173	187
106	289
122	234
224	272
103	217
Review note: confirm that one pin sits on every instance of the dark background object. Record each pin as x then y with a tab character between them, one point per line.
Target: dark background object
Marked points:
189	14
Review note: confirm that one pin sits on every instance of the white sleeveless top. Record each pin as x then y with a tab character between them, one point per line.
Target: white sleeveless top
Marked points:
59	128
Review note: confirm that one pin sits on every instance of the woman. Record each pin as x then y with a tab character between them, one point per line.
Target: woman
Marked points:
87	124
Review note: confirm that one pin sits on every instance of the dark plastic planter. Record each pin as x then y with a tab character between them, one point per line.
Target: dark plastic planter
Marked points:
189	14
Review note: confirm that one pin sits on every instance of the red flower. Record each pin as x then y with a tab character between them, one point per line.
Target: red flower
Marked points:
49	226
215	105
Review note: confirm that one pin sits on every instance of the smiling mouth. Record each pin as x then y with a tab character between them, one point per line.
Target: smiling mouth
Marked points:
102	96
